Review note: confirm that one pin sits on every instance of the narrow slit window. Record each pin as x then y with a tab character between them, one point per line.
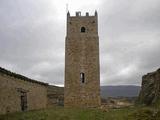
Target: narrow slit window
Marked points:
83	29
82	77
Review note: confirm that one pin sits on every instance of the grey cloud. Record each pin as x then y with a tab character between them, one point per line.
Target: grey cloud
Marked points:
28	37
32	39
131	36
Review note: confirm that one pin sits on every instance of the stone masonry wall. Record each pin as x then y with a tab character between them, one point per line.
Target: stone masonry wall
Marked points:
55	96
10	97
82	56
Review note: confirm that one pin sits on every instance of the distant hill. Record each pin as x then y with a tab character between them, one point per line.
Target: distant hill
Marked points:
106	91
120	91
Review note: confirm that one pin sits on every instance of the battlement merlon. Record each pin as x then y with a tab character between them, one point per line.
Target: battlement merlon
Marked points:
78	14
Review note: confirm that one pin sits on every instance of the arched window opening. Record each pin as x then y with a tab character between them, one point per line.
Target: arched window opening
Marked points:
83	29
82	78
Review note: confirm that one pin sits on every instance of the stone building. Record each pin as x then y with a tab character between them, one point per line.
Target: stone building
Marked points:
82	71
19	93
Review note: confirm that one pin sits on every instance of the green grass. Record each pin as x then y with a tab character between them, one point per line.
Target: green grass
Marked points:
60	113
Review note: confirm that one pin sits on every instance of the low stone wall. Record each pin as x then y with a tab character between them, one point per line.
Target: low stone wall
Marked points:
11	89
55	96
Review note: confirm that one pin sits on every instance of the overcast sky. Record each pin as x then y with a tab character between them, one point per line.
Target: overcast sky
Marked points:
32	36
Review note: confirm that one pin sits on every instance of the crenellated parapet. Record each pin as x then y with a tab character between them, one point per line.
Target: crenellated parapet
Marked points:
78	14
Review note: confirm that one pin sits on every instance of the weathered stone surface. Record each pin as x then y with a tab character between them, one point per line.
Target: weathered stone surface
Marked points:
82	56
150	89
12	88
55	96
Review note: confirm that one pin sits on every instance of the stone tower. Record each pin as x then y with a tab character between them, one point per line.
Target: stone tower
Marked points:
82	71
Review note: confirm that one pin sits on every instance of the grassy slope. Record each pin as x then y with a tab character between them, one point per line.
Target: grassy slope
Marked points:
60	113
